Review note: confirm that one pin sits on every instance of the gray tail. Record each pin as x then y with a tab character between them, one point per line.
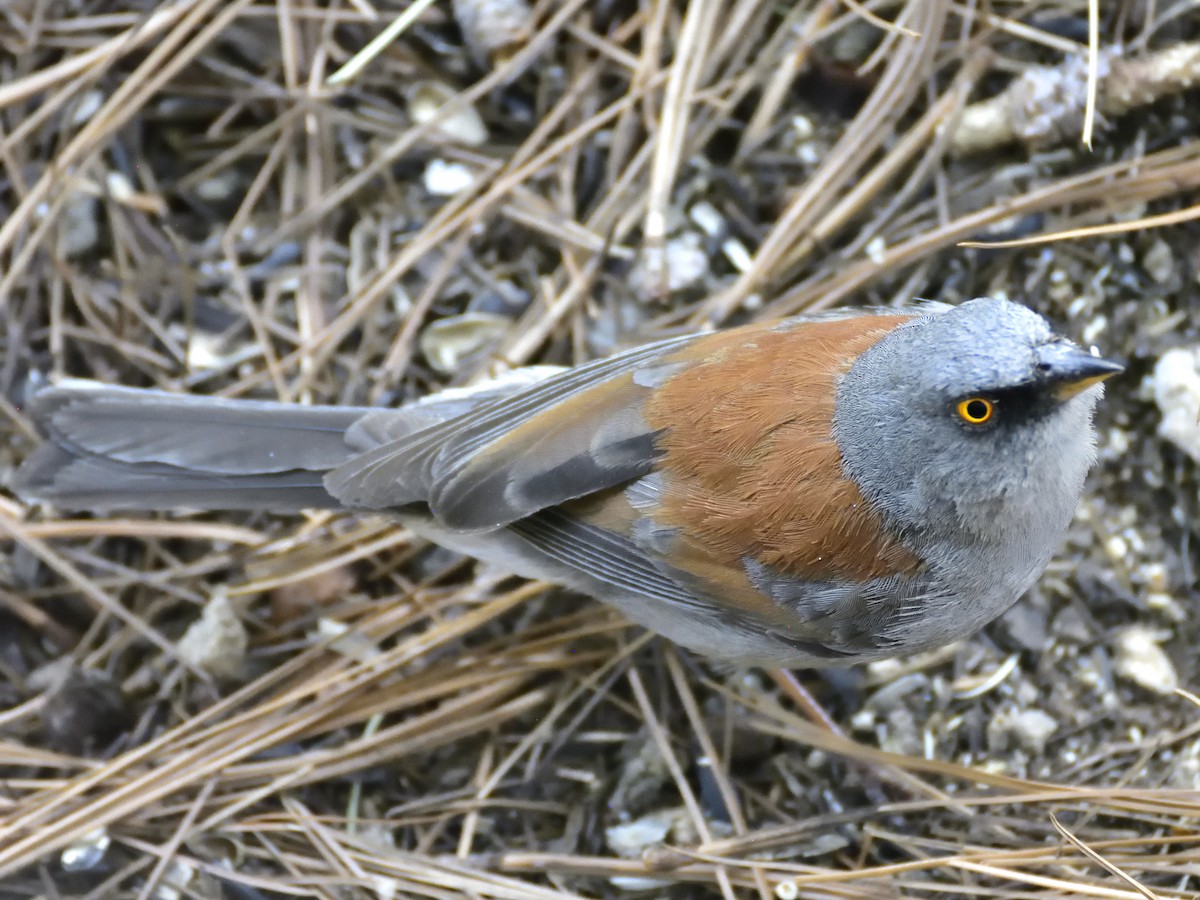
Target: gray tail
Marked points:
123	448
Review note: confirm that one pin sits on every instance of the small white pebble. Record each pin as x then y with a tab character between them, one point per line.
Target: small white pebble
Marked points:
88	106
863	720
349	643
494	29
884	670
119	186
445	179
1168	606
86	853
219	187
1029	729
737	254
80	221
464	125
630	839
179	875
1094	330
1141	660
681	264
204	350
1116	547
1159	261
216	642
994	766
707	218
1137	543
809	154
1176	384
636	883
1032	728
1155	576
447	342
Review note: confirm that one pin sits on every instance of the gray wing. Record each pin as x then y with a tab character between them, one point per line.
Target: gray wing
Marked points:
825	626
571	435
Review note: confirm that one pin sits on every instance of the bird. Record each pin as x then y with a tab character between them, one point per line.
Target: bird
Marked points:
821	490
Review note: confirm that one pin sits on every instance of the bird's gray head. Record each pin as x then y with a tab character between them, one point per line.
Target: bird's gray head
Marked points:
972	426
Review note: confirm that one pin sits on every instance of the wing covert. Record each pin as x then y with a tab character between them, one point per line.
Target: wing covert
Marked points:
565	437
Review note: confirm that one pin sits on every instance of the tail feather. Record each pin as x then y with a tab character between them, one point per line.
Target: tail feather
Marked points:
212	434
121	448
70	481
129	448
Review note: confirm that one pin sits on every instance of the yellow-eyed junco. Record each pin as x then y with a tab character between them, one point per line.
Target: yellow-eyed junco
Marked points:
816	491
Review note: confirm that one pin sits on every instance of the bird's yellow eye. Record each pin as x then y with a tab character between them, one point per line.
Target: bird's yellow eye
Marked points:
976	410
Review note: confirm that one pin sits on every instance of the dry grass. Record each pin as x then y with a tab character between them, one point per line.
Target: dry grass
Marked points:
191	200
